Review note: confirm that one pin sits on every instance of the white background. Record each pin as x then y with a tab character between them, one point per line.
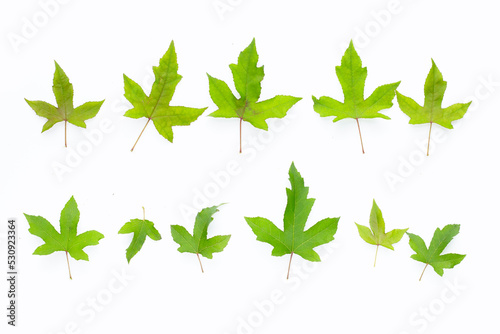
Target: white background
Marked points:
299	43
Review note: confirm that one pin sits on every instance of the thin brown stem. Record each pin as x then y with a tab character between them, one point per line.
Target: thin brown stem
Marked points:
423	272
140	135
241	121
65	132
69	269
429	141
289	265
360	138
376	252
199	260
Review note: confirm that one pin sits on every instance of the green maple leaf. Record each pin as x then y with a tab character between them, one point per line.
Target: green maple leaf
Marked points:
67	240
352	77
432	112
293	239
198	243
141	228
156	106
377	236
65	111
247	80
432	255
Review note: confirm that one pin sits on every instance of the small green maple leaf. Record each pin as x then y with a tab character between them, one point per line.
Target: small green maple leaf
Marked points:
198	243
432	255
141	228
247	80
293	239
377	236
352	77
65	111
432	112
67	240
156	106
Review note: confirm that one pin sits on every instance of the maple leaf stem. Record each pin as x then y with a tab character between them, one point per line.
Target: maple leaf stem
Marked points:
241	121
289	265
69	269
376	252
423	272
429	140
199	260
143	213
140	135
360	138
65	132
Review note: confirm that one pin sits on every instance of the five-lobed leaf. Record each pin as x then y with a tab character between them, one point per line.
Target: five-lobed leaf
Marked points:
247	81
432	111
67	239
141	229
377	235
432	255
65	111
293	239
198	243
352	77
156	106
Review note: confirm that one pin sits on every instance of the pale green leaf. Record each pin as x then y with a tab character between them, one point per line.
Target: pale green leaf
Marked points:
247	78
293	239
432	255
432	110
63	91
198	243
156	106
352	77
67	239
141	228
376	235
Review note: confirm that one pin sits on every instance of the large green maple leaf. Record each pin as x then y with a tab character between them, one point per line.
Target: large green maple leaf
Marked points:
432	255
247	80
198	243
156	106
352	77
377	235
432	111
65	111
67	240
293	239
141	228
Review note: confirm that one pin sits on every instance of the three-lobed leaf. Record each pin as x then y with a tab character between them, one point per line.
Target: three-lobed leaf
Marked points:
247	78
156	107
293	239
432	110
376	235
432	255
65	111
67	240
352	77
198	243
141	228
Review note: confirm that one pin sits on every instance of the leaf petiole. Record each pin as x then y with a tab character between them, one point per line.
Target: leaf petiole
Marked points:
429	140
144	128
241	121
199	260
376	252
65	131
423	272
360	138
289	265
69	269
